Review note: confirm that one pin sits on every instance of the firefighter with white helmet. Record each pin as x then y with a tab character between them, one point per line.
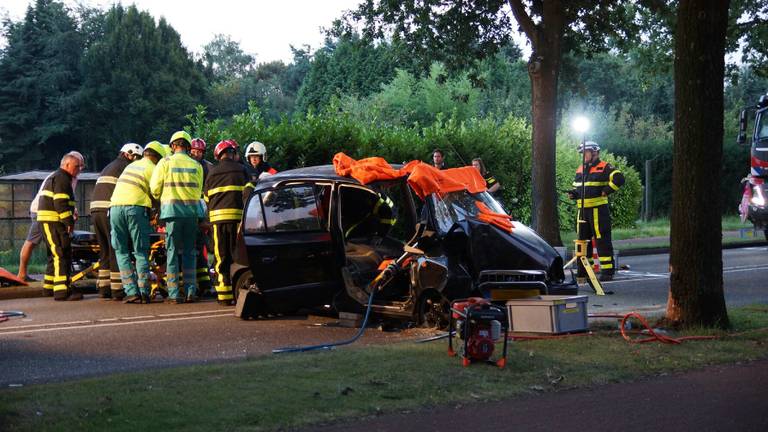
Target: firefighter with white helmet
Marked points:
129	215
108	281
594	219
256	161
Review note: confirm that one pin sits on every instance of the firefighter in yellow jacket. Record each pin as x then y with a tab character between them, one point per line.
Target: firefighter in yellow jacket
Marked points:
224	192
129	214
56	214
594	218
177	182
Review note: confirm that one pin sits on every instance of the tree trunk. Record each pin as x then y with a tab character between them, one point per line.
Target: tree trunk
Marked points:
696	264
543	70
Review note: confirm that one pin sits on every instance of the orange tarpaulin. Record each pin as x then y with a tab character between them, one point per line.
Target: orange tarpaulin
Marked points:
501	220
424	179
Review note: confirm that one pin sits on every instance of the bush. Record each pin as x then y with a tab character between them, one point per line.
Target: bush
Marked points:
505	147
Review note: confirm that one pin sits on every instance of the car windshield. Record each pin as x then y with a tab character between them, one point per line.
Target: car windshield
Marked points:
456	206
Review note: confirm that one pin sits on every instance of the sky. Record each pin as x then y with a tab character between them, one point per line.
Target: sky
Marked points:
266	28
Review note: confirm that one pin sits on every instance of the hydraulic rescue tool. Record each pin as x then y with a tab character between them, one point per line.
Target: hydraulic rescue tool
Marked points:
479	324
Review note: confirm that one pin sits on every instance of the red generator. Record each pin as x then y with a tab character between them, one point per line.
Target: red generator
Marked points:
480	324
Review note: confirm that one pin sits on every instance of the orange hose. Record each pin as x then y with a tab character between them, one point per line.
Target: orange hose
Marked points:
654	336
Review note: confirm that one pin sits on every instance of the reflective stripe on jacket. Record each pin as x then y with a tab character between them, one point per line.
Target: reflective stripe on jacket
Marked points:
105	184
133	185
177	182
57	200
602	178
223	191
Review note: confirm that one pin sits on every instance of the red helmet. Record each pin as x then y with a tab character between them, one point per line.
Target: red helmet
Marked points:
223	146
198	144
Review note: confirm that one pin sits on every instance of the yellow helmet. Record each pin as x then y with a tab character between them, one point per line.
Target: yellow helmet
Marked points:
157	147
182	135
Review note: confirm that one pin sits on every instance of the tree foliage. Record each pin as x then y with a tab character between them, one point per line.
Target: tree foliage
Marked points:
39	74
224	59
139	83
346	65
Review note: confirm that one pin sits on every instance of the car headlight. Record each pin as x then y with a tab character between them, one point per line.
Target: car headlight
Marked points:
758	199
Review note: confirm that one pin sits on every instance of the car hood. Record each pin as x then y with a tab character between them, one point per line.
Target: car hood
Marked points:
491	248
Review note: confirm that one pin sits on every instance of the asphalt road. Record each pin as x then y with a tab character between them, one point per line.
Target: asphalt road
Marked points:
66	340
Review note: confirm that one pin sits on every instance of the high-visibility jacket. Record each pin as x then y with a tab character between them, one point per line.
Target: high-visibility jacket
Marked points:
602	178
133	184
177	182
105	184
57	200
223	191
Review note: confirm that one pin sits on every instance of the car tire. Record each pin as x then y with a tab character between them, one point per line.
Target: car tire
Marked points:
433	310
243	281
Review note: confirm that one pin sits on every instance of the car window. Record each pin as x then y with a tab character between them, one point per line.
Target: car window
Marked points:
254	217
292	208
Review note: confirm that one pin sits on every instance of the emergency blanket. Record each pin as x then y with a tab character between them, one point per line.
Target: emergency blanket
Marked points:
423	178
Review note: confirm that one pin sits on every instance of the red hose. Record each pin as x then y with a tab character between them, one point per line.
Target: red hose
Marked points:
654	336
624	332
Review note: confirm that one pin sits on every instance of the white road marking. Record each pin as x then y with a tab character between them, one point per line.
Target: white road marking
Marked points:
143	318
641	276
79	327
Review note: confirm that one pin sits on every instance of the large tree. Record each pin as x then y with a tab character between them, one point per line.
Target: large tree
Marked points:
39	73
461	32
696	279
139	83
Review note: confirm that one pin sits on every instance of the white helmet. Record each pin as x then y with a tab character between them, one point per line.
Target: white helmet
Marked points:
256	149
132	149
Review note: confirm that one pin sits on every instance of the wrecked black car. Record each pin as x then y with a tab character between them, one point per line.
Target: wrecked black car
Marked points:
310	237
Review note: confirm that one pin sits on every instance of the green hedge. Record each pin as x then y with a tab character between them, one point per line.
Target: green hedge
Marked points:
505	146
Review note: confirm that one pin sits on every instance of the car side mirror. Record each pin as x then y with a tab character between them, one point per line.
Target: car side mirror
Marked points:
741	139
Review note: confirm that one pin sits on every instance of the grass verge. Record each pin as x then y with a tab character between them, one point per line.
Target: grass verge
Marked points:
278	392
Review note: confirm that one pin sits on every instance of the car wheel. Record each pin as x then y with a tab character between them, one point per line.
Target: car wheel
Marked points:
433	311
244	280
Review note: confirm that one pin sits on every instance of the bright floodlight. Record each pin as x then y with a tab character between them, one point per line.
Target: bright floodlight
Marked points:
580	124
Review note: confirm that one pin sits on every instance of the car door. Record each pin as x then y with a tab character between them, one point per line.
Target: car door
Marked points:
289	244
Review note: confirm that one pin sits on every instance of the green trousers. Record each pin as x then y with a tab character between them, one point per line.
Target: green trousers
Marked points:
130	226
181	234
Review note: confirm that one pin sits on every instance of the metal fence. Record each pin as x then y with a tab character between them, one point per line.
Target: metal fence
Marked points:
15	198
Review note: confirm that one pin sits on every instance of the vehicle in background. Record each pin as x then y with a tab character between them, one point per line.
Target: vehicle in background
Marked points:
754	188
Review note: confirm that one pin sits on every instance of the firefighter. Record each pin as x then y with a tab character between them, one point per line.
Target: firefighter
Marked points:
257	165
223	191
379	220
491	184
197	152
56	214
594	217
35	232
129	216
177	182
108	281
